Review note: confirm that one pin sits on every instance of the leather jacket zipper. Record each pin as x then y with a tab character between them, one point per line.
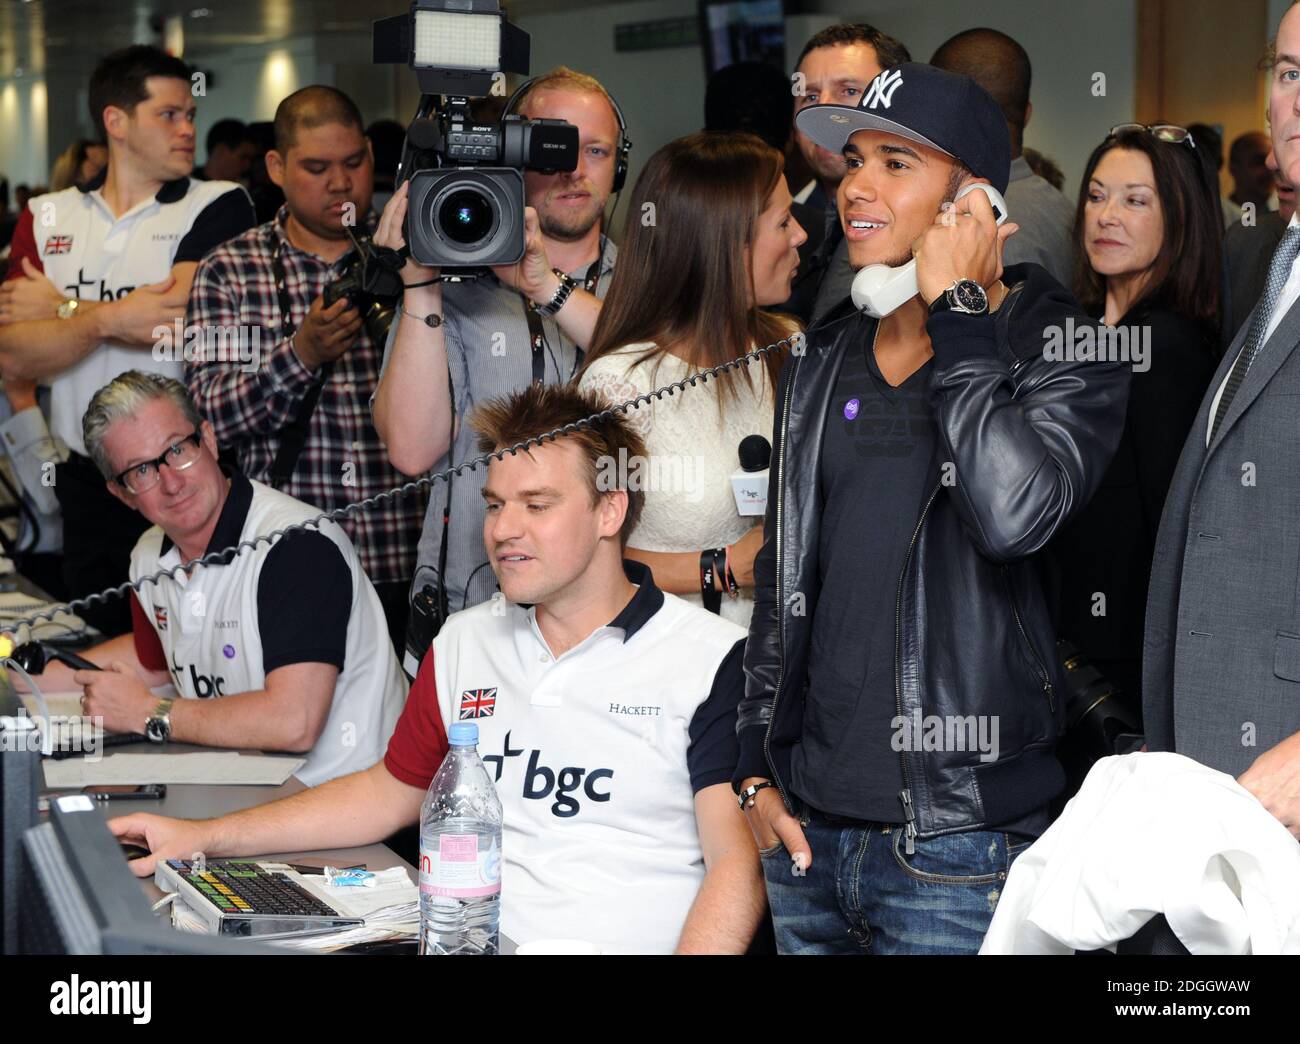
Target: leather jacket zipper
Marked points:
780	593
905	795
1042	671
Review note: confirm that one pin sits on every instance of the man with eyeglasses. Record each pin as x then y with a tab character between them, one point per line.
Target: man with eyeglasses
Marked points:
281	647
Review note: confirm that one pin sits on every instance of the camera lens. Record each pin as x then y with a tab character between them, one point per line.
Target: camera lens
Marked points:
465	216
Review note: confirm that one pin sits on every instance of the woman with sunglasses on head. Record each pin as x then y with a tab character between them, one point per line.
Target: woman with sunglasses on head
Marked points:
1148	241
709	244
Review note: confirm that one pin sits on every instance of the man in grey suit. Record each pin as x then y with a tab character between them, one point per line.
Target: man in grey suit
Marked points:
1221	672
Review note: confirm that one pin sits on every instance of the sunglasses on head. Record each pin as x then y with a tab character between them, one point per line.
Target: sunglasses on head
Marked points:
1160	131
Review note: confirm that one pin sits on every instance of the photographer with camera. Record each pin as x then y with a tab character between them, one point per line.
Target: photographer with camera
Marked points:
294	409
458	344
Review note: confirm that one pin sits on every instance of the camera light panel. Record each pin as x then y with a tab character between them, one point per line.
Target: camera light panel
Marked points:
451	40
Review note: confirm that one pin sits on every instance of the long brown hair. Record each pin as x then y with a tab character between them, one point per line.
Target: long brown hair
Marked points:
1186	273
681	279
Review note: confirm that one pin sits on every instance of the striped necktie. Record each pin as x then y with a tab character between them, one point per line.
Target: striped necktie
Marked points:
1278	273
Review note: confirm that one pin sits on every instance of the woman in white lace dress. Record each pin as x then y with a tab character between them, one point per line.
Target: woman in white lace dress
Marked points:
709	243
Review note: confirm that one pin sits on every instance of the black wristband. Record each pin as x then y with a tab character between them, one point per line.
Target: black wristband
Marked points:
427	282
720	569
724	571
711	596
746	796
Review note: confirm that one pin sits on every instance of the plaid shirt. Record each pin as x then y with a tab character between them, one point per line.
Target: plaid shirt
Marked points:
250	400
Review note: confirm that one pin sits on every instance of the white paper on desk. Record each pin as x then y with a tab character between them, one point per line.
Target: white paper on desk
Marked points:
215	767
390	912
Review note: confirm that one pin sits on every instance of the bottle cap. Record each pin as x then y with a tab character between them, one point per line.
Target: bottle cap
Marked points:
463	734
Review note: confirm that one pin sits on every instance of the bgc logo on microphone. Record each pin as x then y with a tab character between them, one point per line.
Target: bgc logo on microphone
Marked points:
569	785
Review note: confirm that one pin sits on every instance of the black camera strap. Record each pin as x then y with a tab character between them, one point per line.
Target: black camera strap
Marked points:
537	334
443	603
294	435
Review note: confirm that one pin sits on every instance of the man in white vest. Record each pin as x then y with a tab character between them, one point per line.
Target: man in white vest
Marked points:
282	646
605	708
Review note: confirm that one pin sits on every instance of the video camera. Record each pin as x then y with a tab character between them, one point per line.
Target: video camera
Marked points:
466	204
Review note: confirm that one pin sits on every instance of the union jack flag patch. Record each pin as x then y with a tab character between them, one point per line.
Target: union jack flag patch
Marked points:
58	245
477	703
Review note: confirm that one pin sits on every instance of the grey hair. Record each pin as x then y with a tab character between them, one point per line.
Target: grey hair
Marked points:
122	397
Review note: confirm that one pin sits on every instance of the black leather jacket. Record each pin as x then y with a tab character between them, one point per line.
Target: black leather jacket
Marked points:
1030	440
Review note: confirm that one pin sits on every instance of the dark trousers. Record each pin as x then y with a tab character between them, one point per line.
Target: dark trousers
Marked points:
99	532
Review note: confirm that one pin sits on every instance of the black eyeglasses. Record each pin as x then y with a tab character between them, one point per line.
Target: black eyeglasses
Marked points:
142	477
1160	131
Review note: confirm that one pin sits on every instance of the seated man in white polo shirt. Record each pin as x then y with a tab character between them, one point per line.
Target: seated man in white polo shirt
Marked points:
283	647
606	713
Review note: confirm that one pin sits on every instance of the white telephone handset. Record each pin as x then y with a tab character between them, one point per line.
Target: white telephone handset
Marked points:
879	289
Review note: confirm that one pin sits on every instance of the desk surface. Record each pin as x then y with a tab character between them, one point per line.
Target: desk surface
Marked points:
185	801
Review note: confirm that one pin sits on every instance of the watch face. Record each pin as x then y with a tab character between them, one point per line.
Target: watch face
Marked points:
156	730
970	296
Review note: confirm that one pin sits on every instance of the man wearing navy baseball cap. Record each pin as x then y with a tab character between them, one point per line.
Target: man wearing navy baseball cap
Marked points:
903	697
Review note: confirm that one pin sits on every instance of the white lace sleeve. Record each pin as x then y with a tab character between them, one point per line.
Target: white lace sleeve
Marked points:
613	386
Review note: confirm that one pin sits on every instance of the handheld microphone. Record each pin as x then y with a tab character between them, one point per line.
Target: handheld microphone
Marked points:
749	484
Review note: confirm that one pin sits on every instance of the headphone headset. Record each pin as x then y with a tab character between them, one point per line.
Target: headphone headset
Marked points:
621	150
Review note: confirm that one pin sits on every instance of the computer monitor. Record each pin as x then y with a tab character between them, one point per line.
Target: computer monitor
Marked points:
20	785
76	884
78	896
744	31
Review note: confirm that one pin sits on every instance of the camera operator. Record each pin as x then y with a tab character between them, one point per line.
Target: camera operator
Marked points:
294	410
462	343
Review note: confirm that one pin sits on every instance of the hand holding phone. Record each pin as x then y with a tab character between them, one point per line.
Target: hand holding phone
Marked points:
879	290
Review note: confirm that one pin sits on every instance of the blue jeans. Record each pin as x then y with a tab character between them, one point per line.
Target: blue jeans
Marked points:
865	894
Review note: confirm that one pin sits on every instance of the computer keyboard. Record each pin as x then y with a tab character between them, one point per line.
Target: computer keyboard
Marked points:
239	897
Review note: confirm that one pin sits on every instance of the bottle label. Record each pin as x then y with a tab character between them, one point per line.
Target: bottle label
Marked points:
457	868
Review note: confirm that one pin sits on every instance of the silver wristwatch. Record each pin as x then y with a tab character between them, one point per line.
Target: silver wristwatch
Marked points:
562	292
67	308
158	726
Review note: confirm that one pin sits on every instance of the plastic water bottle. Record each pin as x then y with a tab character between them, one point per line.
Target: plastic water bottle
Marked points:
460	852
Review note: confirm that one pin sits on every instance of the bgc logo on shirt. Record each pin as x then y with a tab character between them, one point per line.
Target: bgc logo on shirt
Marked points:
203	686
568	785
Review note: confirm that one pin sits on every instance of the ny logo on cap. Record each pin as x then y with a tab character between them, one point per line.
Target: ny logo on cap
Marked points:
883	87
